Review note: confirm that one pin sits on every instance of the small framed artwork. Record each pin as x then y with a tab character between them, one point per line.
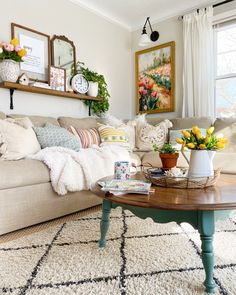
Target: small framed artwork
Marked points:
155	79
37	44
57	79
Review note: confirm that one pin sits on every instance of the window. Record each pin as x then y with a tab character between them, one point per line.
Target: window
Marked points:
225	77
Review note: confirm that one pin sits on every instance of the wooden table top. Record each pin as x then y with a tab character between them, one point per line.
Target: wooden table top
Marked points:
222	196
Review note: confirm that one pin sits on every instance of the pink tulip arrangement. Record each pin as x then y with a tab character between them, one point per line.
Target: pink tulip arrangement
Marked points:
148	96
12	51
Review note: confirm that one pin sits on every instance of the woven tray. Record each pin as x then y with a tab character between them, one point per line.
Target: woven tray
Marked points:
183	182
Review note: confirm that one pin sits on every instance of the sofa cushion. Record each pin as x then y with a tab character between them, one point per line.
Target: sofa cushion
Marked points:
127	125
154	121
38	121
2	116
135	159
147	135
87	137
51	135
112	135
17	139
227	128
22	173
222	123
80	123
225	161
184	123
139	153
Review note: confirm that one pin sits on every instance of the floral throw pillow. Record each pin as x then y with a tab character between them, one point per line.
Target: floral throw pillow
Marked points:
147	135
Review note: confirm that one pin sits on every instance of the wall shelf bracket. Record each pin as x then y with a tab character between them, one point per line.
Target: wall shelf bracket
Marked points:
11	98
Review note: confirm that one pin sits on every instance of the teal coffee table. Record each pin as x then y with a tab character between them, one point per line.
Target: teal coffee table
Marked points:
198	207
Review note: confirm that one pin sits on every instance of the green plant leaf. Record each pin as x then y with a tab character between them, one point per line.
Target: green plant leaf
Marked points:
97	107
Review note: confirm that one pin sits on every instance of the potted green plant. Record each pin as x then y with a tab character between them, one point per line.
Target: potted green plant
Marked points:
168	155
95	81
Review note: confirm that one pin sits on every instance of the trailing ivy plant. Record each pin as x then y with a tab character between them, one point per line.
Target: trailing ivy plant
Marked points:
97	107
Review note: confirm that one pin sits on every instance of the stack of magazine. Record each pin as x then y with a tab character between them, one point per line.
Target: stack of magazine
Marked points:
121	187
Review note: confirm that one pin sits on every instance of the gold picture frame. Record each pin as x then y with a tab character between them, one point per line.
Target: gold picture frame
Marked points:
155	79
38	58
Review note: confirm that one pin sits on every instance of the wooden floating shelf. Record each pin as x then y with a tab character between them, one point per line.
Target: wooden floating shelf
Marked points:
32	89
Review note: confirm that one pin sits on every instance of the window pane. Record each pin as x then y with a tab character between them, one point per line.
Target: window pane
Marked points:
226	97
226	63
228	36
226	51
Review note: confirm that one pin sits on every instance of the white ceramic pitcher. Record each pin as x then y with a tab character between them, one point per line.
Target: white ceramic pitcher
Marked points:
93	88
200	164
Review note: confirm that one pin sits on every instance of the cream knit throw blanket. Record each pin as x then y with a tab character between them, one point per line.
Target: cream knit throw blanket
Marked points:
74	171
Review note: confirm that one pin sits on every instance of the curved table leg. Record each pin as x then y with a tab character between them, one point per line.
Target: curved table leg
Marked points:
206	228
104	225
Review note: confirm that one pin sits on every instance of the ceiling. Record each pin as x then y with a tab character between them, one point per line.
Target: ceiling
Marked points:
132	13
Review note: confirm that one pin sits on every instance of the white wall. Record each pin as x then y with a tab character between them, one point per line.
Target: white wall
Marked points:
169	30
102	45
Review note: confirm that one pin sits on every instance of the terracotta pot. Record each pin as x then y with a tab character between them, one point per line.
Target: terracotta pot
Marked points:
169	160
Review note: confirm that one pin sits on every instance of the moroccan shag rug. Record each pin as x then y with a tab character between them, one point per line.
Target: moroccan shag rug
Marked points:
141	258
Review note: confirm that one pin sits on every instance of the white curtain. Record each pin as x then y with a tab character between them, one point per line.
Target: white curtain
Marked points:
198	72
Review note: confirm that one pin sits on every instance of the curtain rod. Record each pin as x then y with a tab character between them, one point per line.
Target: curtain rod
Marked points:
221	3
214	5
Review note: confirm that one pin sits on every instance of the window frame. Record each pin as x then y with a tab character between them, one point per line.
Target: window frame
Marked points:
216	29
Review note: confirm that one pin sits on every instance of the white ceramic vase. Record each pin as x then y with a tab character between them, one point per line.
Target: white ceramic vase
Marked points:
9	70
93	89
201	163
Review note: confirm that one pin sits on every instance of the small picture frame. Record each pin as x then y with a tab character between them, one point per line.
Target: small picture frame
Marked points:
57	78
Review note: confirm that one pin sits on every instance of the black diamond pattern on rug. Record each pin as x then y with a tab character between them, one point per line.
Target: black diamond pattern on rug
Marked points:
141	257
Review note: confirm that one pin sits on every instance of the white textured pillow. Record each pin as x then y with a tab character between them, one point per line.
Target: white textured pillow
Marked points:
17	139
147	135
112	120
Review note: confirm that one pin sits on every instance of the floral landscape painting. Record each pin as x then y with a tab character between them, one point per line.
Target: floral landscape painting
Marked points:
155	78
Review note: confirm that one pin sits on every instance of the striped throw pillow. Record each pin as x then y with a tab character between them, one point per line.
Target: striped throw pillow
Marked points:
88	137
112	135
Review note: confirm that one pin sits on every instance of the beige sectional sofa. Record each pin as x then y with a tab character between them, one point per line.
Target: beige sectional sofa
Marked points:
26	195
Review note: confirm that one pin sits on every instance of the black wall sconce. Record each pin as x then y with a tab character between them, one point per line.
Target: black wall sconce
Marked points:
145	39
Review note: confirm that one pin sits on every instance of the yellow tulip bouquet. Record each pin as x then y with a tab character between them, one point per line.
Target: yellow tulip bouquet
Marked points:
193	139
12	51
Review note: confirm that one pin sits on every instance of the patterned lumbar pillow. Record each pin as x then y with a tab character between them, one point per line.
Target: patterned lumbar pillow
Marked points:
17	139
147	135
112	135
52	135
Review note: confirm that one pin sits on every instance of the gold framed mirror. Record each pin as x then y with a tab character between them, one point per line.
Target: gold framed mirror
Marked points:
63	53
